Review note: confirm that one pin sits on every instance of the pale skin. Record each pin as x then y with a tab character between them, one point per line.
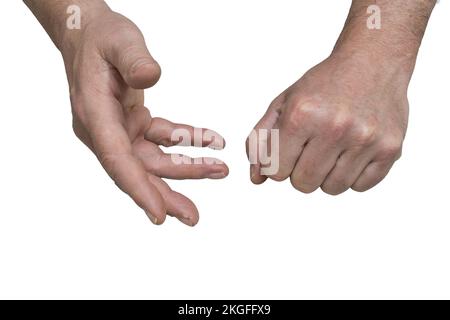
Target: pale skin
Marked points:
342	125
108	65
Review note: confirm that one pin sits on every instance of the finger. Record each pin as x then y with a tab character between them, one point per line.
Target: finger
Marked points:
388	152
255	142
178	166
293	137
166	133
113	149
177	204
347	169
317	160
129	54
372	175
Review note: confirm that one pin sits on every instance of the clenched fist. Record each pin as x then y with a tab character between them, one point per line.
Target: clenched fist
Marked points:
340	126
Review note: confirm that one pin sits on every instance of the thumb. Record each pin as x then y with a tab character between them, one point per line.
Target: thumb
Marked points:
254	143
129	54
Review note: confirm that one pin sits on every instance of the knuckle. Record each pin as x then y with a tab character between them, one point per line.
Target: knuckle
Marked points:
163	139
337	127
129	53
390	149
365	133
299	112
295	118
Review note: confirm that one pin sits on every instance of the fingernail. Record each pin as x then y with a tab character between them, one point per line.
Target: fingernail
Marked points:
217	175
187	221
152	218
217	145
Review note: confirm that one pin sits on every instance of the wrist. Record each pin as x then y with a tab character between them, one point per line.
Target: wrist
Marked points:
377	59
378	52
388	41
90	11
372	66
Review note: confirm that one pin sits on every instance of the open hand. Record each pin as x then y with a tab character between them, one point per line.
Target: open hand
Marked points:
108	66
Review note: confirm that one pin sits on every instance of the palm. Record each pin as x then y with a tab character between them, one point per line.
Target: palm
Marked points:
110	118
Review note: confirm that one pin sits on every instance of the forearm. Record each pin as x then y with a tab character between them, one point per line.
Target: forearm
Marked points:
52	14
397	40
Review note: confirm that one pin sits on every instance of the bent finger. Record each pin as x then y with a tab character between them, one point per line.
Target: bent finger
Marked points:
178	205
166	133
113	149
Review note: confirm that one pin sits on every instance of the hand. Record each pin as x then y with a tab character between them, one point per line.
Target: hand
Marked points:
341	125
108	65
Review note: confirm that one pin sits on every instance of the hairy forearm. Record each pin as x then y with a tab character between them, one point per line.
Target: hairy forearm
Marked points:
52	14
397	38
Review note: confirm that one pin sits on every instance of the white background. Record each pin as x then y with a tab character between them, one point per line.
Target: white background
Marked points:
66	231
